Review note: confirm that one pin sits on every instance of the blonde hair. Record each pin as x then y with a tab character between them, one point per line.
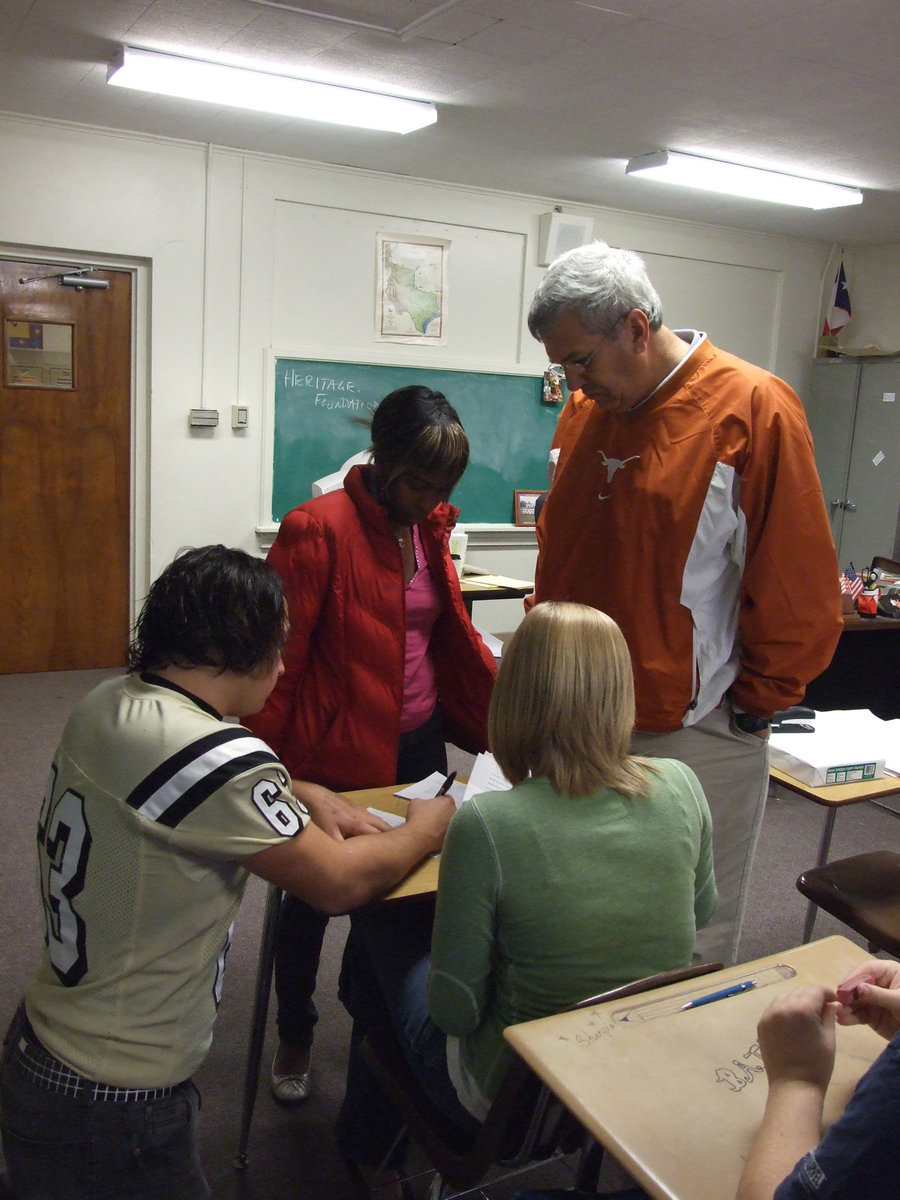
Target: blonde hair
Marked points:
563	703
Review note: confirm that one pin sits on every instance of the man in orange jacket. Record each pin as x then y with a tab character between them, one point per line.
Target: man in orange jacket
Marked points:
682	504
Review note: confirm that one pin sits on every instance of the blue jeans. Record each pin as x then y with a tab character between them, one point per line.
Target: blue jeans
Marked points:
383	980
60	1147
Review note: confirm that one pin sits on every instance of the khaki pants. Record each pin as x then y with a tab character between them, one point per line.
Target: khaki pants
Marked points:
733	769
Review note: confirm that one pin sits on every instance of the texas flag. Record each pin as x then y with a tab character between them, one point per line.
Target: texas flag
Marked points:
838	314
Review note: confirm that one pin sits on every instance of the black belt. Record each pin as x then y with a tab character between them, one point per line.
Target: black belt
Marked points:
47	1072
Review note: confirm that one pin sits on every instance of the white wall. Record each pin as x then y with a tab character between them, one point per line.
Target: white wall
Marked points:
239	257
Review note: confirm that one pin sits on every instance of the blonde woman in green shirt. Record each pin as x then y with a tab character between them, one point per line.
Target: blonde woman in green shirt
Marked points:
595	868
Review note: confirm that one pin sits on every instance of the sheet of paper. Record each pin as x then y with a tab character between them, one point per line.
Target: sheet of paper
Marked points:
492	642
430	786
486	776
392	819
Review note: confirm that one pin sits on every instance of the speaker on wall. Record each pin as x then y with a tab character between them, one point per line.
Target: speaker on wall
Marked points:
560	232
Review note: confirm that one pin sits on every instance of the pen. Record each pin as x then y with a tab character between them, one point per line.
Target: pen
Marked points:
446	785
734	990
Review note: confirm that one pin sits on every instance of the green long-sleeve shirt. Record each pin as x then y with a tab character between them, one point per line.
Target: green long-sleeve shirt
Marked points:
545	899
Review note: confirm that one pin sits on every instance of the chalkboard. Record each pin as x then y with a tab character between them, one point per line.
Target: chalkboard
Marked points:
510	428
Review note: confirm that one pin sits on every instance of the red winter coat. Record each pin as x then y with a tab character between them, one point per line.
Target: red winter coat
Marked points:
334	716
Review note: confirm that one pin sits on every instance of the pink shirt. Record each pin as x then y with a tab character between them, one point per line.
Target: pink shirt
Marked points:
423	607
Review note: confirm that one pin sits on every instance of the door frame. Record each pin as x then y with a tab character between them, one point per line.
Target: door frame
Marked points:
139	450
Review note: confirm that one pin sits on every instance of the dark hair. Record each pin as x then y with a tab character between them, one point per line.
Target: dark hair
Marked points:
415	428
211	607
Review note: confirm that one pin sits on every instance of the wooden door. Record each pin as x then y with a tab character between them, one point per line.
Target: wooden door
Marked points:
65	469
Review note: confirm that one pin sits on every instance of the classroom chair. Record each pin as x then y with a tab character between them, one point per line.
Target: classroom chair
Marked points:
863	891
525	1124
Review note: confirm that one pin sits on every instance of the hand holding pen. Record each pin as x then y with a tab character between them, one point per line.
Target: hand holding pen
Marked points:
432	815
446	785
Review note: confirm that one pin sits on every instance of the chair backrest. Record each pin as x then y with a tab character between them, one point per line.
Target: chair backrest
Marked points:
863	891
648	984
525	1121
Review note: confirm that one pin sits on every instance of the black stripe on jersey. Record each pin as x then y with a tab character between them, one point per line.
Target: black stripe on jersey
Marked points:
187	798
194	797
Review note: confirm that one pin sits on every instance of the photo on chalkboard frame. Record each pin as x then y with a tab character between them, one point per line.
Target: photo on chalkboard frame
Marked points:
525	507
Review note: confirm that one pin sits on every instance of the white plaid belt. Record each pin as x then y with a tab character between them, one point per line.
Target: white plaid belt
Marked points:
47	1072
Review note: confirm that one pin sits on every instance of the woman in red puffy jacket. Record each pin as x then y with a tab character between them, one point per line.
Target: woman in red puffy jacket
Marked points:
382	664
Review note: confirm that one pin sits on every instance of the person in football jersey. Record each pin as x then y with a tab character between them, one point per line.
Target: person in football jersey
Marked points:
157	809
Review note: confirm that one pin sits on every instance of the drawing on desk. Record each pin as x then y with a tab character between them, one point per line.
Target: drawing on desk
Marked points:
594	1033
651	1009
740	1074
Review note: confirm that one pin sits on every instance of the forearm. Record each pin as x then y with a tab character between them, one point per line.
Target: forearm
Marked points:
791	1126
336	876
374	863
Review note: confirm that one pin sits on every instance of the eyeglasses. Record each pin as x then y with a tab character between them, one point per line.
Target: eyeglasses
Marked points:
575	364
583	364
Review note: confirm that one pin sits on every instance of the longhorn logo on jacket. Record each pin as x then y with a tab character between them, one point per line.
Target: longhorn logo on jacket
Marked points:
612	465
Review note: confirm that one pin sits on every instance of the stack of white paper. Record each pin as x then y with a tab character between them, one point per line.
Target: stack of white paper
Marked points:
845	747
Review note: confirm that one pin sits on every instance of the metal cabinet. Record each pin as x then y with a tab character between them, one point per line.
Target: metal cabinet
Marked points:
853	408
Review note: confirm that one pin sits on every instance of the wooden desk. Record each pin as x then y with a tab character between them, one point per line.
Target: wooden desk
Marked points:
487	589
833	797
678	1098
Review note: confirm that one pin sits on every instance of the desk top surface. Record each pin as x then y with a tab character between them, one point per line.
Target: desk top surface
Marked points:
421	879
834	795
481	585
678	1096
853	622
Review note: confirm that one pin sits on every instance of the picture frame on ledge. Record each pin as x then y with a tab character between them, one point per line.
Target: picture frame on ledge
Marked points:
525	505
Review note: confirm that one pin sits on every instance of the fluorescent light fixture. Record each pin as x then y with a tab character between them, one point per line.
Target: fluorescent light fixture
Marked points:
754	183
192	79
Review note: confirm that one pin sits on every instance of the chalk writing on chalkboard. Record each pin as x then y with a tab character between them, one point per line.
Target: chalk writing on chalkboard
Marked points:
322	408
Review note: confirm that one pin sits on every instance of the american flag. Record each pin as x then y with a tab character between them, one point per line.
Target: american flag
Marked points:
851	584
